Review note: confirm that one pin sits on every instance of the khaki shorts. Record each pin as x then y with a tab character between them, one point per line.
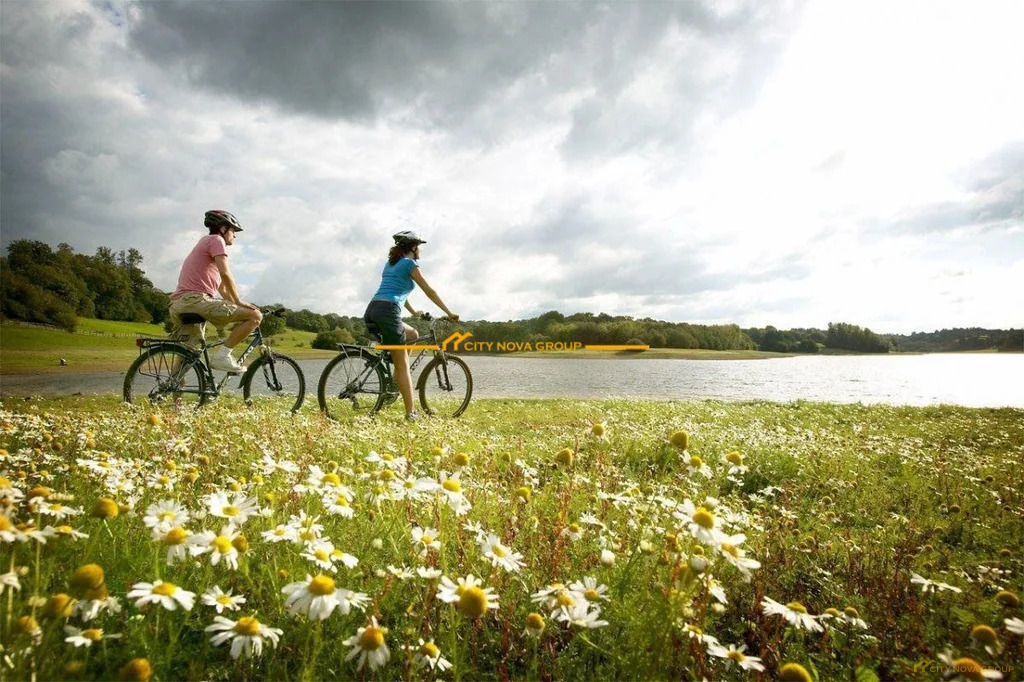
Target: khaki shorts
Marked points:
217	312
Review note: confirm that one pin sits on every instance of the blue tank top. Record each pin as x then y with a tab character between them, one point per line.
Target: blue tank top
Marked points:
396	281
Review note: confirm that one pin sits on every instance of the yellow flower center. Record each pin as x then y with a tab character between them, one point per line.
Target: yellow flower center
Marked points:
165	589
796	606
93	634
535	621
372	638
969	668
387	475
224	599
230	510
499	551
5	523
321	585
984	634
321	555
737	656
730	549
574	528
851	612
88	577
794	672
734	458
387	457
473	602
175	536
247	626
462	459
696	462
164	479
703	518
342	501
167	515
592	595
64	529
331	478
452	486
564	599
430	650
57	507
307	535
223	544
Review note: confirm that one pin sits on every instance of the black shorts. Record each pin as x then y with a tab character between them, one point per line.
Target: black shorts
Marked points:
387	318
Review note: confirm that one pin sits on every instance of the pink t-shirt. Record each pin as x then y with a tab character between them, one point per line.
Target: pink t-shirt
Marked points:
199	272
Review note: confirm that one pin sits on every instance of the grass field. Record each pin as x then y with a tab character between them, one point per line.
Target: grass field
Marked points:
104	345
550	539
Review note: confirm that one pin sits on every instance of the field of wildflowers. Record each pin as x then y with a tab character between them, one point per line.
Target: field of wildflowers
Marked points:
547	540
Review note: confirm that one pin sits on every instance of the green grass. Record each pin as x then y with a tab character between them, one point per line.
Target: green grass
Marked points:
841	505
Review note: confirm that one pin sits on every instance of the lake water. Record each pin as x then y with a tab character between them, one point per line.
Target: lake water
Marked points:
976	380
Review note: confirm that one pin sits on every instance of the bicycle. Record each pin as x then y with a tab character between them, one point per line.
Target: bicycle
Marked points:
359	379
168	371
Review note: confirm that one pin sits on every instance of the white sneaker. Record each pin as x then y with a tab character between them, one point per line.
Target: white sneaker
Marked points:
224	361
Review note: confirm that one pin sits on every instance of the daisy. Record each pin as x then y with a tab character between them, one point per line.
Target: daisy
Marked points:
247	635
413	488
591	520
162	480
220	547
451	488
471	599
794	612
427	655
236	507
696	465
590	590
573	531
695	632
701	523
54	509
166	513
319	481
582	615
534	625
428	573
68	531
86	637
368	643
730	550
500	555
339	502
930	586
307	528
387	460
425	539
96	603
220	600
316	598
176	540
401	572
280	533
321	553
966	669
167	595
9	579
270	465
734	655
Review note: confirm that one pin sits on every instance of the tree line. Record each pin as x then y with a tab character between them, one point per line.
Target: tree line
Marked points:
39	284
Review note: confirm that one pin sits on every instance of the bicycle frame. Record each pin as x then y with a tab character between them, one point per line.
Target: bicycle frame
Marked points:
384	360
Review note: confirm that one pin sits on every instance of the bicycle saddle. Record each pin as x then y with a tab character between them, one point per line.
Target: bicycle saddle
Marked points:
191	318
374	332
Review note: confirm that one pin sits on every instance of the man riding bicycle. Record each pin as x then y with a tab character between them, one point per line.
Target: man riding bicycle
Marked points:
383	315
204	274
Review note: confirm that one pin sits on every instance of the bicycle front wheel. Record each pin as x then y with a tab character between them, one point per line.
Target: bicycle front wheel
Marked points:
352	383
274	379
445	386
165	375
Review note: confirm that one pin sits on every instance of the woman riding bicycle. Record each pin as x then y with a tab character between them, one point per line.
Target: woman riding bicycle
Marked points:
383	315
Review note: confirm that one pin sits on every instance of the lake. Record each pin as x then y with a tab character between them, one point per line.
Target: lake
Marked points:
976	380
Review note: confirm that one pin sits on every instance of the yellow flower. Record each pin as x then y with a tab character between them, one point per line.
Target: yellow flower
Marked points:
87	577
105	508
794	672
680	439
473	602
59	606
564	457
136	670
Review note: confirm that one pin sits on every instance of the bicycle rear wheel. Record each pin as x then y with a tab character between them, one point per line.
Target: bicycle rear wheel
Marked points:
445	386
351	384
274	379
166	375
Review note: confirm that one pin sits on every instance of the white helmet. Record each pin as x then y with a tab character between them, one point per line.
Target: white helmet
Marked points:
408	238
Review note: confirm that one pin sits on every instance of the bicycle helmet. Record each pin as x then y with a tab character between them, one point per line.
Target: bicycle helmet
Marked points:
222	218
408	238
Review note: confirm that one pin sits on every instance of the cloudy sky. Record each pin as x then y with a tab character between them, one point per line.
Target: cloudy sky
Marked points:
781	163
